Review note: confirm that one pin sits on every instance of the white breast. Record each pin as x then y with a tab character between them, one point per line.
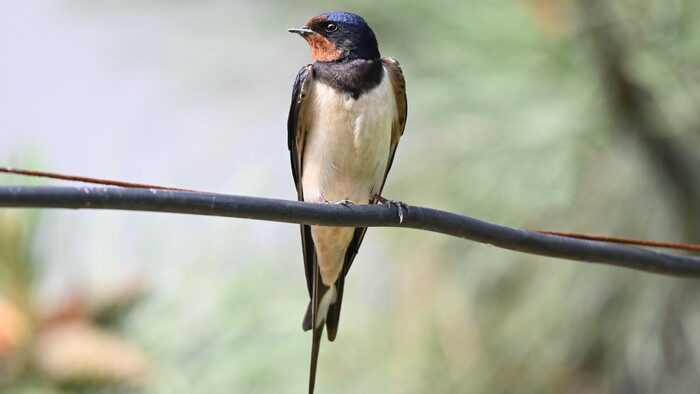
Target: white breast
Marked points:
348	143
345	157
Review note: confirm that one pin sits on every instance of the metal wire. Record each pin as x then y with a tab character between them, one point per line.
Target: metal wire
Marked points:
210	204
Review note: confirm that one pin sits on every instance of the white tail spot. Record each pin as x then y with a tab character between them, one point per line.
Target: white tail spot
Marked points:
326	302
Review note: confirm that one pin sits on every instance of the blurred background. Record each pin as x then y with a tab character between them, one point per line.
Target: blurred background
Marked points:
565	115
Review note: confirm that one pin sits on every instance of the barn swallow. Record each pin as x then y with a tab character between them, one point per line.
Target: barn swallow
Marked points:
347	114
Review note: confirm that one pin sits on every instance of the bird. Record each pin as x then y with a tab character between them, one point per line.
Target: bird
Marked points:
347	114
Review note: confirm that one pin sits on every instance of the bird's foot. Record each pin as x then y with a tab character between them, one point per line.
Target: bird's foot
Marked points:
400	205
344	202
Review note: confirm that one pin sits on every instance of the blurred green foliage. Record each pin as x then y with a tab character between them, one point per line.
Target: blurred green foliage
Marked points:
509	121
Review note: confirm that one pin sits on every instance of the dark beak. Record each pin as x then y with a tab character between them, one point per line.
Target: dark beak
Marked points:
302	31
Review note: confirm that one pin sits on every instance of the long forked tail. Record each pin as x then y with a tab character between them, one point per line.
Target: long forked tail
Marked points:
315	347
333	317
315	320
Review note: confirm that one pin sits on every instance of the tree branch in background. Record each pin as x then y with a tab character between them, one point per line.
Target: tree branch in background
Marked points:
634	110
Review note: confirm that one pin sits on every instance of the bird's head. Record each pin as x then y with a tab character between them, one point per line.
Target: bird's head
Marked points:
339	36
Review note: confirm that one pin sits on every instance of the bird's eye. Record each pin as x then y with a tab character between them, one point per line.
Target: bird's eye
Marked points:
330	27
